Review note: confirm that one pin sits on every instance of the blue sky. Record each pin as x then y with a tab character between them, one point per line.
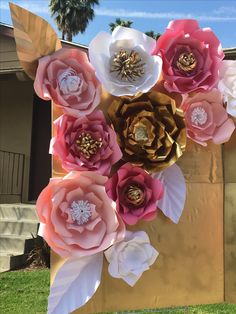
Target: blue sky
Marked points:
146	15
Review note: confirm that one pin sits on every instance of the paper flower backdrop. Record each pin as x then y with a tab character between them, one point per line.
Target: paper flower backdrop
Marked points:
121	162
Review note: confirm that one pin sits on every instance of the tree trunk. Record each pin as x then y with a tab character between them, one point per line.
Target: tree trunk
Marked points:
63	35
69	37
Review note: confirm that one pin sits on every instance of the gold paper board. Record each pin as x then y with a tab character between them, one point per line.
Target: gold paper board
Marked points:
190	268
229	154
230	242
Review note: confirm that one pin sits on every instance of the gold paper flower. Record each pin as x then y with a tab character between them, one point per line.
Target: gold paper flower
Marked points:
150	130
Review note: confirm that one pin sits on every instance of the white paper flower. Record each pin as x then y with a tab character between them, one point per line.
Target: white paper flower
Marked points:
131	257
123	61
227	85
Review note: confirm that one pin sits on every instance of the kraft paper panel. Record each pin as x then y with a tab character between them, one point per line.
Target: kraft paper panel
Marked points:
189	269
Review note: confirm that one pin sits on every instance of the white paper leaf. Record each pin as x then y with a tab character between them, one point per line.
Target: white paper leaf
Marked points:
75	283
173	200
41	229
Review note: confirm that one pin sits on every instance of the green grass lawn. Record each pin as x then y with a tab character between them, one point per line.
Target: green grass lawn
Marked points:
26	292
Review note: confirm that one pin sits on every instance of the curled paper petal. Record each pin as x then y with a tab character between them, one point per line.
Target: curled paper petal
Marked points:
173	200
75	283
150	129
135	193
191	57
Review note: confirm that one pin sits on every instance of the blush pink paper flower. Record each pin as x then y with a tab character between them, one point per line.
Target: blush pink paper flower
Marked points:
85	143
79	217
135	193
191	57
67	78
206	118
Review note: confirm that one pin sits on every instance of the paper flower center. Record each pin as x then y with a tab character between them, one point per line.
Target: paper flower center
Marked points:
69	82
134	195
127	66
80	211
199	116
87	145
186	62
141	134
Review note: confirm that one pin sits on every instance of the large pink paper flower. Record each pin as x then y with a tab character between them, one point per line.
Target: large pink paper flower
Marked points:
85	143
191	57
135	193
206	118
67	78
79	217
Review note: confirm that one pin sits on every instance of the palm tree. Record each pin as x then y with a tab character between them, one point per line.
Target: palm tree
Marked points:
153	34
72	16
120	22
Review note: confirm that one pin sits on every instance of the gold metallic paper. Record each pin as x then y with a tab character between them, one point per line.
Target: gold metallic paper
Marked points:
34	38
127	66
186	62
150	129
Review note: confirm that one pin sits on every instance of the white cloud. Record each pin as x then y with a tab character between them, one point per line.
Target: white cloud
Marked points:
38	7
229	10
165	15
221	14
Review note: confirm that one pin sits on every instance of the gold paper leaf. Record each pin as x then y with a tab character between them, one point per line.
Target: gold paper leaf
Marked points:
34	38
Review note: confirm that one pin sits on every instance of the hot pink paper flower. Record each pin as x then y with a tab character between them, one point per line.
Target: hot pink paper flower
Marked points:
206	118
135	193
85	143
191	57
67	78
79	217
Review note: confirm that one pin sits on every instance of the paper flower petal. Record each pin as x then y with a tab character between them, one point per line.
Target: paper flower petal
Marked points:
173	200
75	283
231	106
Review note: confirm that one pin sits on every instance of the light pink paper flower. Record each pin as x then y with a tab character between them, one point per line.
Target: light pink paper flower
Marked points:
135	193
206	118
191	57
85	143
67	78
79	217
